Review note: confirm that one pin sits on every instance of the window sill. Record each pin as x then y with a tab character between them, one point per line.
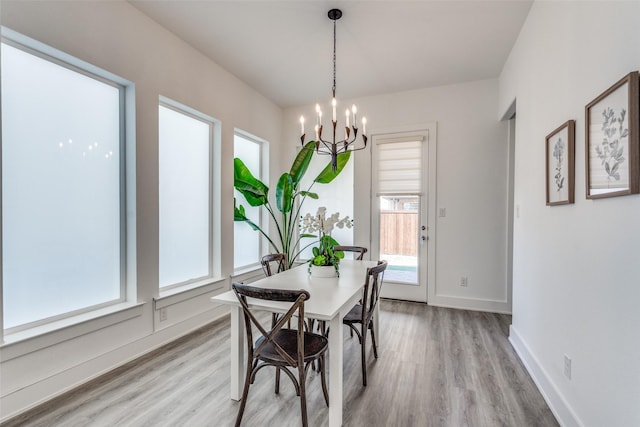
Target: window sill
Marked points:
247	274
29	340
188	291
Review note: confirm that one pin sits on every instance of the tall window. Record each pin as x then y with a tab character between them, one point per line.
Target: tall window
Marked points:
185	145
337	196
247	242
62	188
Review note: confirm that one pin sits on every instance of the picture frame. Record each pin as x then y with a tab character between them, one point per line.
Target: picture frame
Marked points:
560	164
612	159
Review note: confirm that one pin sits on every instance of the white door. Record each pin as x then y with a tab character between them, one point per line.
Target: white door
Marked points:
401	230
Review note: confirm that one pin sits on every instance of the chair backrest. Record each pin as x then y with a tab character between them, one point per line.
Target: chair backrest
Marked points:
372	285
360	250
273	263
297	298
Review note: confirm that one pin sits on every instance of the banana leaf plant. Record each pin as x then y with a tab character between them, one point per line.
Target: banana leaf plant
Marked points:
289	199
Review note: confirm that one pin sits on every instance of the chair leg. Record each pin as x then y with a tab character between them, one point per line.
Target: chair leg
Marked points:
363	354
277	391
373	341
303	396
323	377
245	393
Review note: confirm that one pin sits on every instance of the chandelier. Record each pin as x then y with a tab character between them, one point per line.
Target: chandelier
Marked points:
334	147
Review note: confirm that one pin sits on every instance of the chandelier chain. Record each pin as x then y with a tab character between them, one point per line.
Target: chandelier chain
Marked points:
334	59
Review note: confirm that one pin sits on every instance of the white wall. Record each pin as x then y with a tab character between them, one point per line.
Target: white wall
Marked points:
576	284
118	38
471	183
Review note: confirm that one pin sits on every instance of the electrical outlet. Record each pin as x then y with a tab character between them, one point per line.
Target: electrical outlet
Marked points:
463	281
567	366
163	314
442	213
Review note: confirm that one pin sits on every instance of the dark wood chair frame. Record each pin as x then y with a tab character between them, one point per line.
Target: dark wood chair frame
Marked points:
302	347
360	318
280	261
361	250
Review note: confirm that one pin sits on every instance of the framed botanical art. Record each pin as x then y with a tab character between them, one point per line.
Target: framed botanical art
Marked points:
560	164
611	136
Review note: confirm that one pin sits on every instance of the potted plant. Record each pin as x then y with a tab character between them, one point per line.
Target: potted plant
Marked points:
289	199
325	261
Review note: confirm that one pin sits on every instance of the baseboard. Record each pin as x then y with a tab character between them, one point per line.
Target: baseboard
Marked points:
490	306
561	410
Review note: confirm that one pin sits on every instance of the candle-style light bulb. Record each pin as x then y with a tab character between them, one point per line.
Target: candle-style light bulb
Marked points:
333	104
347	113
364	125
318	113
301	125
354	110
317	135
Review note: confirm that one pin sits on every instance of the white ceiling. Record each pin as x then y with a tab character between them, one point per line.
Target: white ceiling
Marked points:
284	49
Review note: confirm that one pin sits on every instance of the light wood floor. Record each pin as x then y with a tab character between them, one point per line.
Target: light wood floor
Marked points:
437	367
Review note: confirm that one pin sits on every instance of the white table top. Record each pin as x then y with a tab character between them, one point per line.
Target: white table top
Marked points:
328	295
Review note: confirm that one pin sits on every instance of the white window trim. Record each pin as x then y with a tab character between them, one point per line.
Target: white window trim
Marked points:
215	244
264	215
78	322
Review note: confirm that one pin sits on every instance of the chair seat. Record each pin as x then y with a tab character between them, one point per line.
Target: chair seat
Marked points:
314	345
354	315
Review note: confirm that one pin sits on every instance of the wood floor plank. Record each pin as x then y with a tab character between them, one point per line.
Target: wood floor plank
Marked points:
437	367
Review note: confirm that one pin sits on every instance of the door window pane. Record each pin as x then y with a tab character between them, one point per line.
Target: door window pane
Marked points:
399	224
61	179
184	197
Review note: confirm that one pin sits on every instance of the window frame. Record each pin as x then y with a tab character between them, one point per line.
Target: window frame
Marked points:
126	197
213	244
263	176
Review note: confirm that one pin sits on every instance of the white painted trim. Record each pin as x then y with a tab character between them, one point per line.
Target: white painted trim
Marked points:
557	403
475	304
34	339
176	295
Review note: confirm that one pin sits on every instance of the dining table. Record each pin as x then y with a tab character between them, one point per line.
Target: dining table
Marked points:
331	299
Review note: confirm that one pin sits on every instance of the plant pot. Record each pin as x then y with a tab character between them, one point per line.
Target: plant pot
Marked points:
323	271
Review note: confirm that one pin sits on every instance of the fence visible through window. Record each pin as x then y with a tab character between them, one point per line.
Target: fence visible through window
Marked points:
399	224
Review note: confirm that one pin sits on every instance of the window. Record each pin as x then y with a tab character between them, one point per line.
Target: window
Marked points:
247	242
336	196
185	147
63	186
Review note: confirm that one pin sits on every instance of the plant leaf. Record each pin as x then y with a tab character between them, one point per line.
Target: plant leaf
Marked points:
253	190
327	175
284	193
238	212
309	194
301	162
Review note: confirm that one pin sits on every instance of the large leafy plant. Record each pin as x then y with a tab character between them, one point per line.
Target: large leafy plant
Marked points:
289	199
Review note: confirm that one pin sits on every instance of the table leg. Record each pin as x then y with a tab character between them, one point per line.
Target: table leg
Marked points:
238	352
335	371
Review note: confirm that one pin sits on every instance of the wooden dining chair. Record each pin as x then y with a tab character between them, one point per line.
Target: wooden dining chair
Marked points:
360	317
273	263
358	251
281	347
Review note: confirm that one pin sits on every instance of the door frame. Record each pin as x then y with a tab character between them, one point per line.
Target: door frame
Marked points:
429	208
